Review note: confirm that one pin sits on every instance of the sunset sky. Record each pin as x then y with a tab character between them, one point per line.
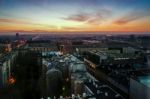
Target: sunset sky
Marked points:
74	15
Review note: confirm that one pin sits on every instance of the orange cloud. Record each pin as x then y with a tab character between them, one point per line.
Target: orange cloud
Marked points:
91	23
24	22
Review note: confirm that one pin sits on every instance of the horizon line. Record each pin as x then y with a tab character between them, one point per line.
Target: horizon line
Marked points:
81	32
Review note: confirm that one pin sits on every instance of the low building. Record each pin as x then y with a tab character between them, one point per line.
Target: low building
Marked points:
140	87
99	90
53	82
5	47
42	46
100	58
6	63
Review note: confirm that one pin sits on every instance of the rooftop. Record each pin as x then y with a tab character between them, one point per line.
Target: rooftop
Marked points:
145	80
101	91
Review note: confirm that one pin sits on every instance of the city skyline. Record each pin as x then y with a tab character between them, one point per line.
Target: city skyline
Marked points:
74	15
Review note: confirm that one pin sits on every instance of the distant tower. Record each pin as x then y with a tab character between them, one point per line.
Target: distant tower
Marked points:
17	36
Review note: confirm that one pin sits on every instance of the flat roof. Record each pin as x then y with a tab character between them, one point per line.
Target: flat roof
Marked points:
105	92
145	80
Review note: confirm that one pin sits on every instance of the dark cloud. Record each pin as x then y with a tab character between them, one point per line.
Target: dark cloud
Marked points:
81	17
132	16
90	18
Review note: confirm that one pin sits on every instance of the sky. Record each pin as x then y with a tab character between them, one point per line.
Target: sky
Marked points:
74	15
